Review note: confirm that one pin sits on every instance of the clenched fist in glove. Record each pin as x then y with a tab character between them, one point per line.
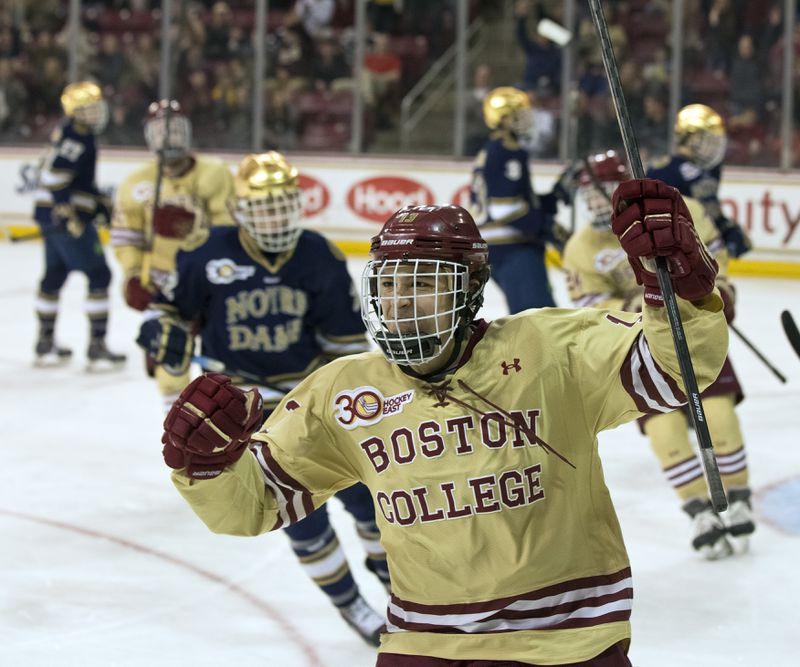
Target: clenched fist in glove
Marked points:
172	222
137	296
651	220
209	426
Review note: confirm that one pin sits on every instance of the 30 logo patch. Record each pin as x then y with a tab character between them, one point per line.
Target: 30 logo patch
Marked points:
363	406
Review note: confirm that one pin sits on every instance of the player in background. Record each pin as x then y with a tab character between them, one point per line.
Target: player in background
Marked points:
478	440
600	276
696	169
515	221
274	301
193	196
69	205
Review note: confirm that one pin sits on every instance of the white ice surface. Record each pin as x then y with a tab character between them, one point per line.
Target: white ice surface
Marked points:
102	563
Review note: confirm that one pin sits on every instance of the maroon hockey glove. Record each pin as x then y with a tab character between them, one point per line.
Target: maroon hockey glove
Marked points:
137	296
651	220
172	222
209	425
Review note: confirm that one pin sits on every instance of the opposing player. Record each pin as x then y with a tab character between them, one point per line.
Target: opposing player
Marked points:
274	301
69	205
600	276
516	222
193	195
476	439
696	169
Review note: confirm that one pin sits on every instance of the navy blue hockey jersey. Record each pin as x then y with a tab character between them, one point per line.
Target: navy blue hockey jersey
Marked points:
690	180
504	204
275	316
68	175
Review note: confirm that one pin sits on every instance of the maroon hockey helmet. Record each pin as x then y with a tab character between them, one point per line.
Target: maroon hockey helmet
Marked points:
432	232
424	282
167	130
597	181
608	167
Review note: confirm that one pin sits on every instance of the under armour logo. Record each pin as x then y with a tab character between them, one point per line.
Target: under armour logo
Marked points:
507	367
291	405
440	393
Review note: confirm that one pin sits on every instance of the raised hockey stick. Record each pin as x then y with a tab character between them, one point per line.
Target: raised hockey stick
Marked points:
719	500
758	353
790	329
150	230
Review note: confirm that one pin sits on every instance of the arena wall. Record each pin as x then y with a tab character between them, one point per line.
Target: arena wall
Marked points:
348	197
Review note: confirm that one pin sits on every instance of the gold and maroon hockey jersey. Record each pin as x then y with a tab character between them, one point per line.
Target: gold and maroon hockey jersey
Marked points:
501	537
599	274
204	189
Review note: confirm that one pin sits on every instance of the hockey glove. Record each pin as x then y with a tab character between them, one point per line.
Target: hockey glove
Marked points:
169	341
137	296
209	426
651	220
65	218
736	240
172	222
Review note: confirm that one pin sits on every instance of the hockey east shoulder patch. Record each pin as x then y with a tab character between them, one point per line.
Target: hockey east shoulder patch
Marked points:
364	406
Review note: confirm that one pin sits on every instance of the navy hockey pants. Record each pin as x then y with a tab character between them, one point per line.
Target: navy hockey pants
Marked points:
64	253
520	272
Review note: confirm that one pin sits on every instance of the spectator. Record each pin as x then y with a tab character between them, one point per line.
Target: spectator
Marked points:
315	15
745	79
382	70
111	66
218	32
290	53
46	89
722	31
541	142
329	65
383	15
653	129
13	100
476	131
121	130
542	57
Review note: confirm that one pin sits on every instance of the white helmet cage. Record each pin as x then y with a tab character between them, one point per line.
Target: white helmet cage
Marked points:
274	220
175	145
412	308
707	149
597	197
94	115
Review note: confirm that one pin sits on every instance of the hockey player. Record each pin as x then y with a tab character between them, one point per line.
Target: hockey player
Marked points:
600	276
274	301
696	169
193	194
516	222
477	439
68	206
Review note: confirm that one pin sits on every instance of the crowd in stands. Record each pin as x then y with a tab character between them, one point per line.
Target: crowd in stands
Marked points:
732	62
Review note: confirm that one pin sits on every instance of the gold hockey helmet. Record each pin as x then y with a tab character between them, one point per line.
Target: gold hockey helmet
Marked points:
268	203
700	135
508	107
84	102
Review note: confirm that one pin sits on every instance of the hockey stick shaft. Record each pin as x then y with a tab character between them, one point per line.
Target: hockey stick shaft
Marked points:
790	329
710	468
217	366
758	353
151	232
